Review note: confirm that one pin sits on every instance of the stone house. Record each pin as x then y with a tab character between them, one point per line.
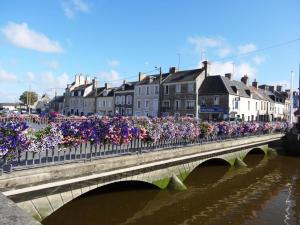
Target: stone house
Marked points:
179	93
105	101
124	99
146	95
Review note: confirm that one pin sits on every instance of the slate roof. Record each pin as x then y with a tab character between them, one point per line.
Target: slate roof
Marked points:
92	93
222	85
129	86
152	79
183	76
57	99
109	94
81	87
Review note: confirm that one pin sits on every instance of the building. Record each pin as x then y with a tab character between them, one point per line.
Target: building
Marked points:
75	94
146	95
278	98
57	104
105	101
221	98
179	93
9	106
124	99
42	105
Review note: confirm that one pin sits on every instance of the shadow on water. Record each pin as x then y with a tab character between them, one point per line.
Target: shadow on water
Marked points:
207	173
217	194
107	205
254	157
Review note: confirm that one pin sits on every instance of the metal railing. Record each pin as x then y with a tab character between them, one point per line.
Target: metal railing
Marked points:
89	152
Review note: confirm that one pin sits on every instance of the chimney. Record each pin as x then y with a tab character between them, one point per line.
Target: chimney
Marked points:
228	75
124	81
95	83
141	76
254	83
172	70
244	79
107	86
279	88
205	66
271	88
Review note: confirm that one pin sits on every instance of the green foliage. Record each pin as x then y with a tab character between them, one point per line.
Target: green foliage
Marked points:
32	97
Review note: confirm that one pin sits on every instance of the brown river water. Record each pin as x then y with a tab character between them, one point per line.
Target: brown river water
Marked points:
267	192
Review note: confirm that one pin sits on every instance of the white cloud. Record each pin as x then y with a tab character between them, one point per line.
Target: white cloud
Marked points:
244	49
52	64
30	76
72	6
258	59
51	81
111	77
202	43
223	52
6	76
113	63
220	68
22	36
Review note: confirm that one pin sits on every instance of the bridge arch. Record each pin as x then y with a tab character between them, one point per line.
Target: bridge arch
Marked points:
47	205
257	150
210	162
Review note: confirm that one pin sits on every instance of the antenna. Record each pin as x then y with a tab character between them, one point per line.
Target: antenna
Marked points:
179	55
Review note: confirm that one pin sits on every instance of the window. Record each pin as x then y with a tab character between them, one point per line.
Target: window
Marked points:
117	100
139	104
117	110
147	104
203	100
128	112
103	103
190	88
190	104
123	99
216	100
128	99
139	90
178	88
146	113
156	90
166	90
248	106
147	90
108	103
177	104
155	104
166	104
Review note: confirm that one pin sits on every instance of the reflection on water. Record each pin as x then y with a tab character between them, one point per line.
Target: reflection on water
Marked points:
266	192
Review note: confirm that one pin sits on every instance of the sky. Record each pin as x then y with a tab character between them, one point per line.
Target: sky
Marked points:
43	44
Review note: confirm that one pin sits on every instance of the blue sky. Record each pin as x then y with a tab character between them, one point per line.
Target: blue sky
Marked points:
43	44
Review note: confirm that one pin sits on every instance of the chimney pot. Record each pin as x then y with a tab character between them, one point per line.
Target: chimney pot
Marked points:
228	75
172	69
254	83
244	79
141	76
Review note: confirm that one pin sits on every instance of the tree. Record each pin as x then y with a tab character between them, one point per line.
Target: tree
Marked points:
31	95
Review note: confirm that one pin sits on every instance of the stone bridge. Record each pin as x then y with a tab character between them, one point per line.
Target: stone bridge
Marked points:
41	191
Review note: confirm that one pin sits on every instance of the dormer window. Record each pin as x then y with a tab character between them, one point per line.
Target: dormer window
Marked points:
123	87
105	93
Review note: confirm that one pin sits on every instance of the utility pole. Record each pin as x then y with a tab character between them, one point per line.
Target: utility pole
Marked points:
159	91
291	98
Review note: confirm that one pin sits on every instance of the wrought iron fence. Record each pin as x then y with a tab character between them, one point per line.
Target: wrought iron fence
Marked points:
89	152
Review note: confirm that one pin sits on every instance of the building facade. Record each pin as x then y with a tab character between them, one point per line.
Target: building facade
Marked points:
124	99
105	101
179	93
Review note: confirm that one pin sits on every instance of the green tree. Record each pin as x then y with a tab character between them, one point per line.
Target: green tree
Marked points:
31	95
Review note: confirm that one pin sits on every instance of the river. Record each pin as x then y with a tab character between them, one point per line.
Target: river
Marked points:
267	192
